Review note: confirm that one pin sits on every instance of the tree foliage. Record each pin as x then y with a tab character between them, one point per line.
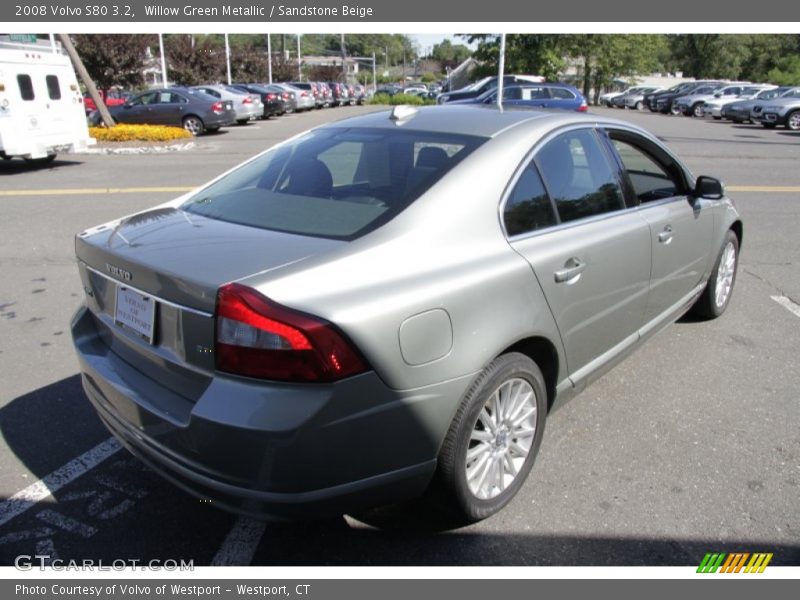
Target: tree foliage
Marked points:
192	60
450	55
114	59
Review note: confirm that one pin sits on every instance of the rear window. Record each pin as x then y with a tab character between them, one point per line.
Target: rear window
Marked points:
53	89
334	183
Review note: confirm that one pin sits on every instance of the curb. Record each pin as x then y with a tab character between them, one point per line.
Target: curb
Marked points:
141	149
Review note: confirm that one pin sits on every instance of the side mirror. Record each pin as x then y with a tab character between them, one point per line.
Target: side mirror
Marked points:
708	187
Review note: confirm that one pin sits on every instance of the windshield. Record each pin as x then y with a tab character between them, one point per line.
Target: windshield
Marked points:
335	183
475	86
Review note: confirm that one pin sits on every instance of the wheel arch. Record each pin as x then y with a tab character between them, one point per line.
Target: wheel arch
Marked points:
738	229
543	352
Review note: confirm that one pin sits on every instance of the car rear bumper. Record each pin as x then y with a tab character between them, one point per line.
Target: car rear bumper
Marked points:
268	449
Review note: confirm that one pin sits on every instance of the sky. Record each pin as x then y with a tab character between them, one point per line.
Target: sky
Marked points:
427	40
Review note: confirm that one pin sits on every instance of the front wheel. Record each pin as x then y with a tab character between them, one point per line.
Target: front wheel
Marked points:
493	440
639	105
675	109
715	298
193	125
697	110
793	121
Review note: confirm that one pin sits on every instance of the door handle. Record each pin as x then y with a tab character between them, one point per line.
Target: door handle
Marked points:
665	237
571	271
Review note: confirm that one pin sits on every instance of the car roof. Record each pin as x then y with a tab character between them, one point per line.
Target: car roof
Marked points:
479	120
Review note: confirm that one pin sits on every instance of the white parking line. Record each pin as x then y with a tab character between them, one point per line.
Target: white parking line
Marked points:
39	490
788	304
240	544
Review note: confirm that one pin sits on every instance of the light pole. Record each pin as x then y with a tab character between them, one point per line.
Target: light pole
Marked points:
299	74
228	58
269	58
374	75
163	60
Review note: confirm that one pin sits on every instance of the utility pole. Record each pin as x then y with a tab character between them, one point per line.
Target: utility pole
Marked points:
344	60
374	74
228	58
163	60
269	58
299	74
87	80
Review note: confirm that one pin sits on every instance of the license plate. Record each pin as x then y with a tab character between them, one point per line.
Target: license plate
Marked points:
136	313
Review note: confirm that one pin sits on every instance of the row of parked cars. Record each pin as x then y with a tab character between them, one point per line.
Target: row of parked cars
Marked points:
740	102
207	108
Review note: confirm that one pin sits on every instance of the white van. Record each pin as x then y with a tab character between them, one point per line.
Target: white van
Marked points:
41	106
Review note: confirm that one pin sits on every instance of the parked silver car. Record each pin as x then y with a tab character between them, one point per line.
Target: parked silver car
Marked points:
740	110
389	306
713	106
635	98
783	111
691	105
246	106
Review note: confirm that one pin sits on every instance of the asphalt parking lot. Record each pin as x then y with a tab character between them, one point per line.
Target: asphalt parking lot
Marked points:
690	446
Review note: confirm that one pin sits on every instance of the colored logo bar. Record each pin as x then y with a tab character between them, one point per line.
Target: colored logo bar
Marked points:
734	562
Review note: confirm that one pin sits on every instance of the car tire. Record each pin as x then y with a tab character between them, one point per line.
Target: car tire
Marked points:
193	125
242	121
40	162
716	118
768	125
696	110
491	443
639	105
717	295
212	129
793	121
674	109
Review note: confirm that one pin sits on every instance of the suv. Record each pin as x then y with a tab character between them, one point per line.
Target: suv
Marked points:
663	101
780	111
484	85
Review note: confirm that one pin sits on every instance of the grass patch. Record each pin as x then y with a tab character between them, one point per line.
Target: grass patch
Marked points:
408	99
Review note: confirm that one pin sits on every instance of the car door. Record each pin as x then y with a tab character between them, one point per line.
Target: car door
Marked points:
681	227
138	110
171	109
589	252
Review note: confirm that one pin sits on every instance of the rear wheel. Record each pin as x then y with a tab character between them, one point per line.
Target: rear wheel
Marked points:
715	298
493	440
675	109
193	125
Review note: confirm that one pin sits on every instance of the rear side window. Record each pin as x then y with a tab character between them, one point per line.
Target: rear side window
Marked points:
528	208
53	89
25	86
562	94
334	183
578	176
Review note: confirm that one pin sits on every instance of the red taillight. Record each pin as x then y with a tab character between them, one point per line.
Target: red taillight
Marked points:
259	338
304	94
217	107
270	96
247	101
583	107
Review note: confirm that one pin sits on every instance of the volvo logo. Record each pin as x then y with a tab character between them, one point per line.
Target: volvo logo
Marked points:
119	273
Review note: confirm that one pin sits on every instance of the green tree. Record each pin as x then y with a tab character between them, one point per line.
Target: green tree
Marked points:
786	72
192	60
112	59
449	54
711	55
533	54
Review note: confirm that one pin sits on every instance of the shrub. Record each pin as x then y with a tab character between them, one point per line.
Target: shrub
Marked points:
401	99
138	133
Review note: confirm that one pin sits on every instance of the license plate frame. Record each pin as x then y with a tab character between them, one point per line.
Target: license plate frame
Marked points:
135	312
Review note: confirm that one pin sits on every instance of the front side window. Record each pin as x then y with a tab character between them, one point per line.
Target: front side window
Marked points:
649	178
25	87
334	183
578	176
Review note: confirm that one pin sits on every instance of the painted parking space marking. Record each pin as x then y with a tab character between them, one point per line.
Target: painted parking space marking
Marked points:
96	191
788	304
240	544
774	189
56	519
39	490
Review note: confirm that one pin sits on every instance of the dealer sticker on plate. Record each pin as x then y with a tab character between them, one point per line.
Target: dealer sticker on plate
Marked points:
135	312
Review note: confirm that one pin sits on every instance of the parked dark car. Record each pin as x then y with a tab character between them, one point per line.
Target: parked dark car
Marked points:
539	95
272	100
195	111
484	85
662	101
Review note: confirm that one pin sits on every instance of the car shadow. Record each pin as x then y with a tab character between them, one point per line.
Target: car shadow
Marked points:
18	165
49	426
